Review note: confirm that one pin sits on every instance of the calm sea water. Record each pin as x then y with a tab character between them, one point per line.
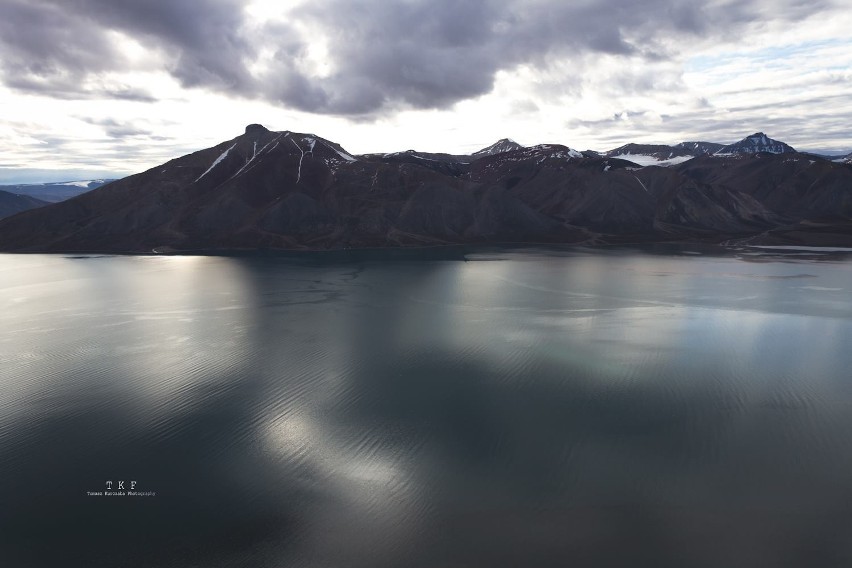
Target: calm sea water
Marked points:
612	407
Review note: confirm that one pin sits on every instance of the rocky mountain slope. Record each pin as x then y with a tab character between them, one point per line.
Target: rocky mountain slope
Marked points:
11	203
499	147
756	143
286	190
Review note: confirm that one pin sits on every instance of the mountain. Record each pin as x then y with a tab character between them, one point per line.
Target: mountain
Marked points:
812	197
795	186
499	147
651	154
662	154
57	191
265	190
700	148
11	203
449	164
757	142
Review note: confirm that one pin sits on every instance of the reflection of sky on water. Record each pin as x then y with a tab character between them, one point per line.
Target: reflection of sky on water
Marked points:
161	323
384	409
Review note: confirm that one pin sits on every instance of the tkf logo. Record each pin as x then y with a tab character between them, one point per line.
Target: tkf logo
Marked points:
121	488
120	485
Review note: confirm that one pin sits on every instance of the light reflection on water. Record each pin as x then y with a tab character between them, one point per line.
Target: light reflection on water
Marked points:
536	408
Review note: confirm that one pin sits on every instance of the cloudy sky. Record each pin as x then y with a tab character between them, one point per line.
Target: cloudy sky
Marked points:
106	87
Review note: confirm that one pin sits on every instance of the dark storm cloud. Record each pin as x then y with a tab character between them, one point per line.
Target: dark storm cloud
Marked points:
384	55
203	37
46	50
432	54
52	47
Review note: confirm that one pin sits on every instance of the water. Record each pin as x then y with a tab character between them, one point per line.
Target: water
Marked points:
609	407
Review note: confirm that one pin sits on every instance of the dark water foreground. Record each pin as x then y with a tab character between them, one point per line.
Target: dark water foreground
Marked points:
577	408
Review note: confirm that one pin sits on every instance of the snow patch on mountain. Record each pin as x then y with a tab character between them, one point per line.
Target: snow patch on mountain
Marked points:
344	155
312	142
221	157
76	183
643	185
646	160
83	183
302	157
556	151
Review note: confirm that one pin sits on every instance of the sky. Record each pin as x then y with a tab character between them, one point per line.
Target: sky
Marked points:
105	88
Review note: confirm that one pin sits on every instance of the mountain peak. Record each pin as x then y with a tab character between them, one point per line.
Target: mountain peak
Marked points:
499	147
256	129
755	143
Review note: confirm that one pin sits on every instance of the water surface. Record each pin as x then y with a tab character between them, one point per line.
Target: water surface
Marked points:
589	407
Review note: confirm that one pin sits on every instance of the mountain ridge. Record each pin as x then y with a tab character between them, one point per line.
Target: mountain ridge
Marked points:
53	192
12	203
266	190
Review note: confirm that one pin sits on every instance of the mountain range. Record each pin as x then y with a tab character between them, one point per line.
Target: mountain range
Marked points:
21	197
285	190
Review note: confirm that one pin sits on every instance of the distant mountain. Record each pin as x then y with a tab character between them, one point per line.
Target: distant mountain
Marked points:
11	203
267	190
662	154
56	191
758	142
700	148
651	154
499	147
848	158
450	164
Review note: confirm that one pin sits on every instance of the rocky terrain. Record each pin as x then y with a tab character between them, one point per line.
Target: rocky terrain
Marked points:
267	190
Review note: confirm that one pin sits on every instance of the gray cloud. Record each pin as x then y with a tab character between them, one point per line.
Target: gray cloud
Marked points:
52	47
431	54
204	37
45	49
705	123
127	93
117	129
385	55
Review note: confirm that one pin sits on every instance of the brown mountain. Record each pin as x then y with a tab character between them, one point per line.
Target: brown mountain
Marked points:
285	190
